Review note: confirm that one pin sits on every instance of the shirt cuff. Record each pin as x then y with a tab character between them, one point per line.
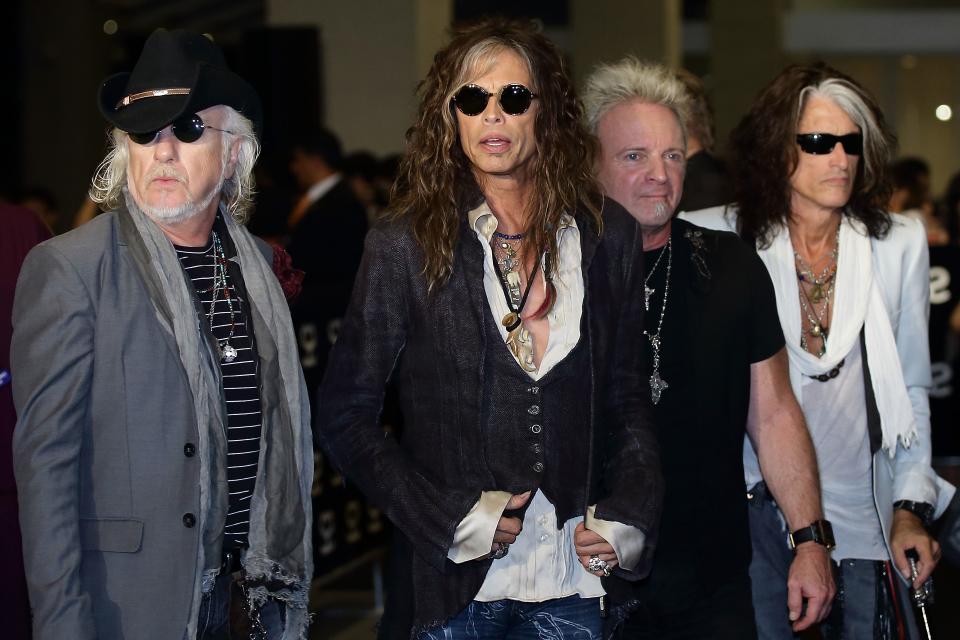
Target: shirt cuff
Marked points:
627	542
474	535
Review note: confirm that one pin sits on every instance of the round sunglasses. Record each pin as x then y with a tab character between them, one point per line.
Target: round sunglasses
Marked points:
187	128
823	143
514	99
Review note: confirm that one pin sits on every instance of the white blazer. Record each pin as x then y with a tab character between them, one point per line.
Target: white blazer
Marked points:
901	264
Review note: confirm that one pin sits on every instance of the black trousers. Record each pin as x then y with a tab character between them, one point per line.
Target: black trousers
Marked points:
724	614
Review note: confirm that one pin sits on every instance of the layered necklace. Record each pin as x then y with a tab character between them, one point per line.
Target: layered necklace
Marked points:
658	384
507	262
816	298
222	289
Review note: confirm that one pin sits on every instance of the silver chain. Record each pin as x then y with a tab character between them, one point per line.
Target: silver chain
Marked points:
658	384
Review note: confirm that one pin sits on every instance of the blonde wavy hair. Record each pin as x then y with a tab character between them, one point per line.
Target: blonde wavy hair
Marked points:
436	184
110	179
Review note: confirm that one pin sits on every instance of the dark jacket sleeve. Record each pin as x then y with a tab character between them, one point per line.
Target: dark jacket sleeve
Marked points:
631	477
368	347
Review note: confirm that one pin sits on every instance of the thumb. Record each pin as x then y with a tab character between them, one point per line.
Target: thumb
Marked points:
518	500
794	601
900	560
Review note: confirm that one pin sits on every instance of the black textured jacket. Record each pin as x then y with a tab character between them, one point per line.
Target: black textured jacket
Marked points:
435	347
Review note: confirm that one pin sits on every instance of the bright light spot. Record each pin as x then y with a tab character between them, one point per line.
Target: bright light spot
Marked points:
110	27
944	112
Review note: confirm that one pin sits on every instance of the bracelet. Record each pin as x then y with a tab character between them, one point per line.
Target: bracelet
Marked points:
923	510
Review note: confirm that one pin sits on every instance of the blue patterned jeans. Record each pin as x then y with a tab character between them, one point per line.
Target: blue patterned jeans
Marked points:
570	618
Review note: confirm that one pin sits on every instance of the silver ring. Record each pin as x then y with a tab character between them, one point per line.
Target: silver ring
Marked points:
596	564
501	551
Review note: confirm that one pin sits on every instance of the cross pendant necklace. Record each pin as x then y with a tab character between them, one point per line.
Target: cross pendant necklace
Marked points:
658	384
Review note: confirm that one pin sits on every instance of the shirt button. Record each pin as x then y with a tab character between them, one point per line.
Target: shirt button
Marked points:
534	410
544	538
538	467
189	520
189	449
536	428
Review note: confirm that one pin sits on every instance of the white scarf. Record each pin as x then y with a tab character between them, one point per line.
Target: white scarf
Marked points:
857	303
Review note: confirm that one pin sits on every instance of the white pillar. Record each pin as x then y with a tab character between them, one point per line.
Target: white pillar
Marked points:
373	54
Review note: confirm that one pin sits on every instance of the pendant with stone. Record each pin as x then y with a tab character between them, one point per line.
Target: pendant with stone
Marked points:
228	353
816	295
657	386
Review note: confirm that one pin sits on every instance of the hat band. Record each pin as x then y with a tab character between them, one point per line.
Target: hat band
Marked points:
152	93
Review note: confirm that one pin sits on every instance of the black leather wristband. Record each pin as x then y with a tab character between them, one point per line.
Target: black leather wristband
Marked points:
820	532
923	510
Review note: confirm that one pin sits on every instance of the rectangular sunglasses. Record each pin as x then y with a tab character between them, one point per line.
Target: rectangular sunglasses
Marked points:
823	143
514	99
187	128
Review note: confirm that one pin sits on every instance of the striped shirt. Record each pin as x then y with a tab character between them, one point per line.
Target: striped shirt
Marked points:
240	387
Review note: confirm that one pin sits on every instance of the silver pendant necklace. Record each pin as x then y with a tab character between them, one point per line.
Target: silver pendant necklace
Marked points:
658	384
221	288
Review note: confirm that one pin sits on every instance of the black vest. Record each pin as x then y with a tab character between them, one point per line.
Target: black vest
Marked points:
550	418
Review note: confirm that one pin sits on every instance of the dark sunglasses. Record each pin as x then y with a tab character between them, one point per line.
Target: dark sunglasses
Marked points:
514	99
823	143
187	128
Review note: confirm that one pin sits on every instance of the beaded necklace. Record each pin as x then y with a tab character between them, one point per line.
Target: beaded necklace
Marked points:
222	288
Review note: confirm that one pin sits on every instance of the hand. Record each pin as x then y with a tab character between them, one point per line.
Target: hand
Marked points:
509	528
909	533
810	579
588	543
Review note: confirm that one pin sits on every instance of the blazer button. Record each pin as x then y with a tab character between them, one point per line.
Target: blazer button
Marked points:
536	428
189	520
534	410
536	448
538	467
534	390
189	449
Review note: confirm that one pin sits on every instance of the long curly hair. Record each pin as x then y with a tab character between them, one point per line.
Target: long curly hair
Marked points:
435	182
764	151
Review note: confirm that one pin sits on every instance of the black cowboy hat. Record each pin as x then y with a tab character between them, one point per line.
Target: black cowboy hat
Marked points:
178	73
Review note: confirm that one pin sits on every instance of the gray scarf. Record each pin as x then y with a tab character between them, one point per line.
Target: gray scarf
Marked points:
279	561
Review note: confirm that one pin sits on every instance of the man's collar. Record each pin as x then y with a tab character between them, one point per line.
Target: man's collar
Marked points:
482	220
320	189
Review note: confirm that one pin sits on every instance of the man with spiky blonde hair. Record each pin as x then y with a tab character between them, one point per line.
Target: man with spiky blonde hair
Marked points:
717	368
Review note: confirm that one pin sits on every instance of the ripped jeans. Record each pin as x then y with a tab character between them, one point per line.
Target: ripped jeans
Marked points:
570	618
213	622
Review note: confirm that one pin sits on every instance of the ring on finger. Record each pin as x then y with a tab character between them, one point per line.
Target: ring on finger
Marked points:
595	564
501	551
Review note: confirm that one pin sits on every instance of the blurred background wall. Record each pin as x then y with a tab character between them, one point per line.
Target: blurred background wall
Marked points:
353	65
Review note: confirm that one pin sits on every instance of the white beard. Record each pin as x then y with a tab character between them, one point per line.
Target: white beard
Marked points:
185	211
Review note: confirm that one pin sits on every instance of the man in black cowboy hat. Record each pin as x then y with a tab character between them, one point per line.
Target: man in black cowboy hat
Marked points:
163	448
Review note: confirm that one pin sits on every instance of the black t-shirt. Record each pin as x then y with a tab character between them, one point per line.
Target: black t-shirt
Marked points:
721	317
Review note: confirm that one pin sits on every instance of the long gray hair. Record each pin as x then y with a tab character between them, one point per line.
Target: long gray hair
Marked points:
110	180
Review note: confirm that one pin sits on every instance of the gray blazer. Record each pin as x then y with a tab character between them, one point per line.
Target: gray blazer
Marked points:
104	447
